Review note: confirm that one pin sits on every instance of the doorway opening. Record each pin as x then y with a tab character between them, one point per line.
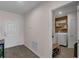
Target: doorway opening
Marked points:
65	31
61	30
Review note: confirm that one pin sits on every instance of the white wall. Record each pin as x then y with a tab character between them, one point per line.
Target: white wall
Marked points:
72	29
38	30
12	28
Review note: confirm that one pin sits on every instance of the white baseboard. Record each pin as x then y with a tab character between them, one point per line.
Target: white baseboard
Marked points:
32	50
9	46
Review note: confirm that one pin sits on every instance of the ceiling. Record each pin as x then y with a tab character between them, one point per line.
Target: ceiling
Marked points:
19	7
66	9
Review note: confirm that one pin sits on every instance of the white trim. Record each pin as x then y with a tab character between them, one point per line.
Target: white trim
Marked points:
32	50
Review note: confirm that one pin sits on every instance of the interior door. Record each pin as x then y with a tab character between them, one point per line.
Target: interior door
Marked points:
78	28
72	29
11	31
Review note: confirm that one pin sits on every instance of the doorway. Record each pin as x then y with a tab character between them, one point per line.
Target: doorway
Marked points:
61	30
65	33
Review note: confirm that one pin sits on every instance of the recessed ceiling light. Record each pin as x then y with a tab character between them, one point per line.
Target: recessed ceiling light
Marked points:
20	1
60	12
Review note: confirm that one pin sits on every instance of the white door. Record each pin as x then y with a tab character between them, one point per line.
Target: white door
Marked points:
10	33
78	28
72	29
13	31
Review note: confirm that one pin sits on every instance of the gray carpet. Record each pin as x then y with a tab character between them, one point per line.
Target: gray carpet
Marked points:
19	52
